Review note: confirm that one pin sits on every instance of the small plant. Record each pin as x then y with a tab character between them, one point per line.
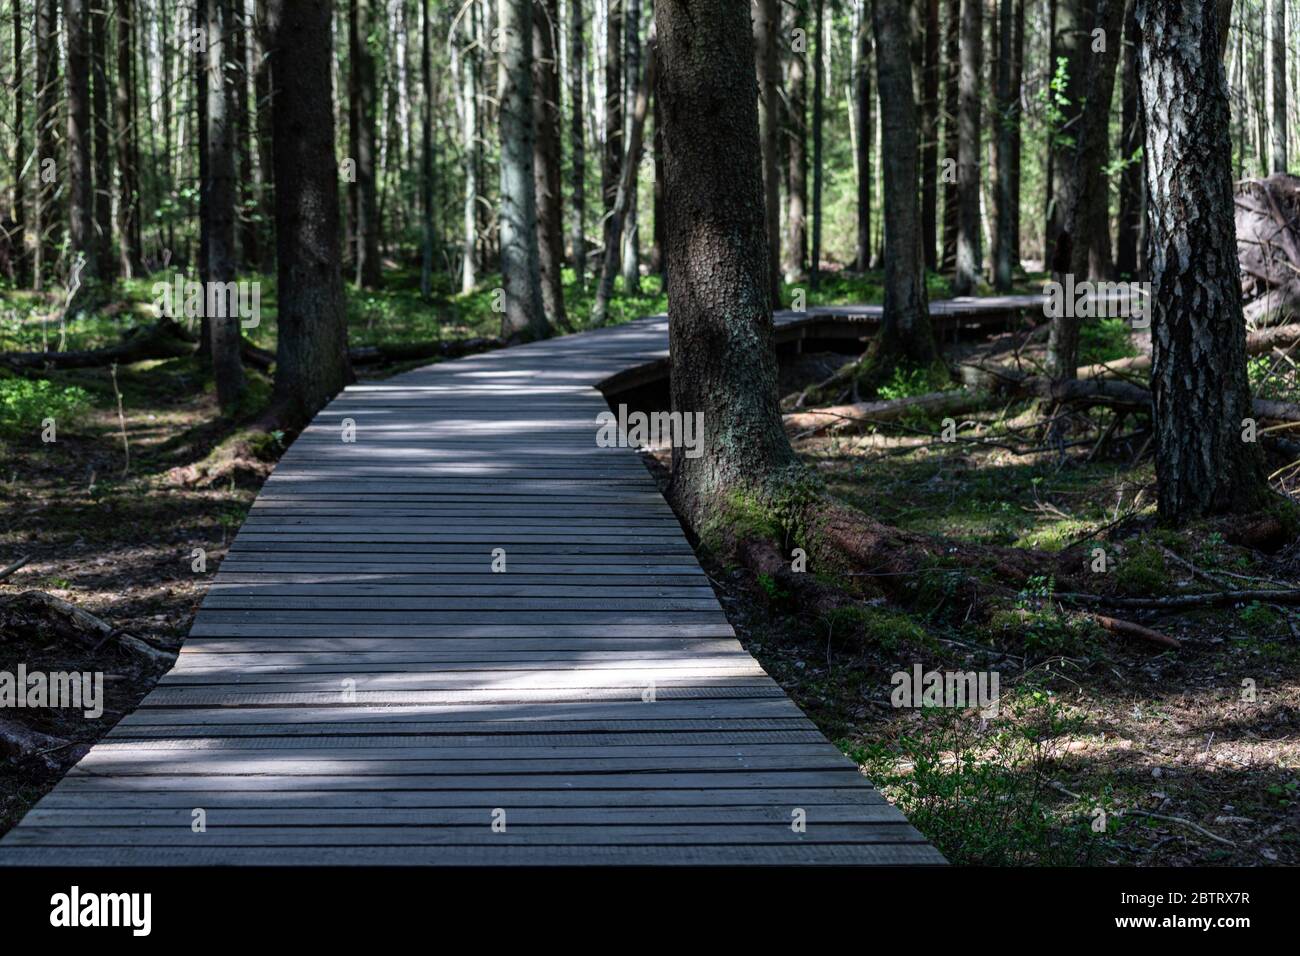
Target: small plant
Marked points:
25	403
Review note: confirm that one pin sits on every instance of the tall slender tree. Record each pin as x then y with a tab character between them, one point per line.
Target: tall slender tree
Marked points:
577	139
127	136
1128	238
967	268
767	61
951	107
796	216
1069	31
105	267
362	102
311	357
612	155
930	134
471	155
17	238
1206	459
1277	97
862	107
524	316
49	222
81	216
426	152
631	77
223	324
1006	250
819	92
547	163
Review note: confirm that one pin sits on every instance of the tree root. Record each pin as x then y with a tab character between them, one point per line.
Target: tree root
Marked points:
50	754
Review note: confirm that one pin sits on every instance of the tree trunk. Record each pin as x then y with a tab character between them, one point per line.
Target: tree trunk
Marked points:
819	90
103	202
249	240
81	192
1076	246
265	156
951	107
1070	38
720	316
613	146
1131	215
631	77
361	134
18	242
966	272
796	216
577	140
862	106
906	329
626	190
227	369
470	154
48	221
546	158
426	152
311	359
128	159
1006	253
930	135
1277	88
525	316
659	250
767	62
1198	336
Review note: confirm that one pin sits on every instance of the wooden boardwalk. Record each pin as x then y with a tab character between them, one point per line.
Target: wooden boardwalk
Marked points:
360	687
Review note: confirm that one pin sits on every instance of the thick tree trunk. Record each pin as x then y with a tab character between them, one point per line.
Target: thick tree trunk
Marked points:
17	239
128	160
525	316
81	192
658	251
1131	206
767	63
224	331
631	246
720	316
1277	88
966	273
311	359
1006	252
1198	376
546	158
906	329
930	135
796	215
577	140
361	133
862	106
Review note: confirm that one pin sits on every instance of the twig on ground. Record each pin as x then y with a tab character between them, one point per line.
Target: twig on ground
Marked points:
10	569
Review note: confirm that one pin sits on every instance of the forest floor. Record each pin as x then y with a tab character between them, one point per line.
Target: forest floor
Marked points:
1104	751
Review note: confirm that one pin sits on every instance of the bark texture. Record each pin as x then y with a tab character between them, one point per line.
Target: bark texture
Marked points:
1198	375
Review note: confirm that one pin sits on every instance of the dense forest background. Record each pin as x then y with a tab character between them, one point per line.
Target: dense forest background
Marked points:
416	119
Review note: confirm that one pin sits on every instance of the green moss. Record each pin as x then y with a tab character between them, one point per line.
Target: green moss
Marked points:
883	627
1140	571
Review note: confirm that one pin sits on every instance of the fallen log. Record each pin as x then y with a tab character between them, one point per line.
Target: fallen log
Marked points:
1129	629
89	622
1181	601
163	339
19	744
839	417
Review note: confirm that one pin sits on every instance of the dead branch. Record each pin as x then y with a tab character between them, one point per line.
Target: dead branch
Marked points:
10	569
19	743
163	339
1128	629
89	622
1179	601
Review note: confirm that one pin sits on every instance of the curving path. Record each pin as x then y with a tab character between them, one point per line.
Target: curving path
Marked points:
360	687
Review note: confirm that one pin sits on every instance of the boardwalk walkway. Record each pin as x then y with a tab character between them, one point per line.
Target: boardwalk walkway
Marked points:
359	686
